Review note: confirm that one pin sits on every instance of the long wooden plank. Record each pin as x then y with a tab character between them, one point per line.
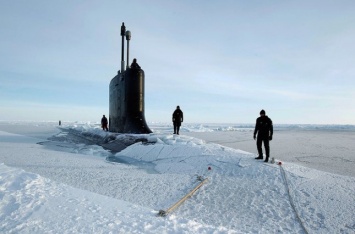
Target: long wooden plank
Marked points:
177	204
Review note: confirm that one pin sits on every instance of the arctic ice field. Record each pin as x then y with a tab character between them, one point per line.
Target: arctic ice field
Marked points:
76	178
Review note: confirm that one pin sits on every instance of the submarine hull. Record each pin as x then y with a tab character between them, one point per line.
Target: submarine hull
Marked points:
127	103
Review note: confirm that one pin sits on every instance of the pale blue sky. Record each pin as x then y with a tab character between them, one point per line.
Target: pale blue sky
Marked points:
221	61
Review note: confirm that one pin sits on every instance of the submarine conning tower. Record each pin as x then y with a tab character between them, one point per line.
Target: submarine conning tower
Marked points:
127	96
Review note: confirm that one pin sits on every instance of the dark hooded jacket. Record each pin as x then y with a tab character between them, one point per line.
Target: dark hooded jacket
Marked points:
104	121
178	116
263	127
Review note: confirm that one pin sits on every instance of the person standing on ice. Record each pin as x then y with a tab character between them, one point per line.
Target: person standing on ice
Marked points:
264	129
178	117
104	123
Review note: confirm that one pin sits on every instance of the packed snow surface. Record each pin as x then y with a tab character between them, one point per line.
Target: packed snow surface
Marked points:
55	181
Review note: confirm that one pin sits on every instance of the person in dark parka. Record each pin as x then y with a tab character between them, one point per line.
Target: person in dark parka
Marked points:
135	65
264	131
104	123
178	117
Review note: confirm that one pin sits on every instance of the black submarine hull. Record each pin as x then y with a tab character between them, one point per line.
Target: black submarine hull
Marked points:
127	103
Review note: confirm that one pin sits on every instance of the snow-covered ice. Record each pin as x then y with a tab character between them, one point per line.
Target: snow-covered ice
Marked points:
328	148
69	185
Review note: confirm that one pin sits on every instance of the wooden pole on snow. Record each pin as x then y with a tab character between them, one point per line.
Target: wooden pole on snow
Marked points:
163	213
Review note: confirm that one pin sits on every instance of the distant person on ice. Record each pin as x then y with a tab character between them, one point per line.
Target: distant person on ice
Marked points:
178	117
264	129
104	123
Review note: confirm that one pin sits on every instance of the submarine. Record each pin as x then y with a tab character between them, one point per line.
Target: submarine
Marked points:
126	95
